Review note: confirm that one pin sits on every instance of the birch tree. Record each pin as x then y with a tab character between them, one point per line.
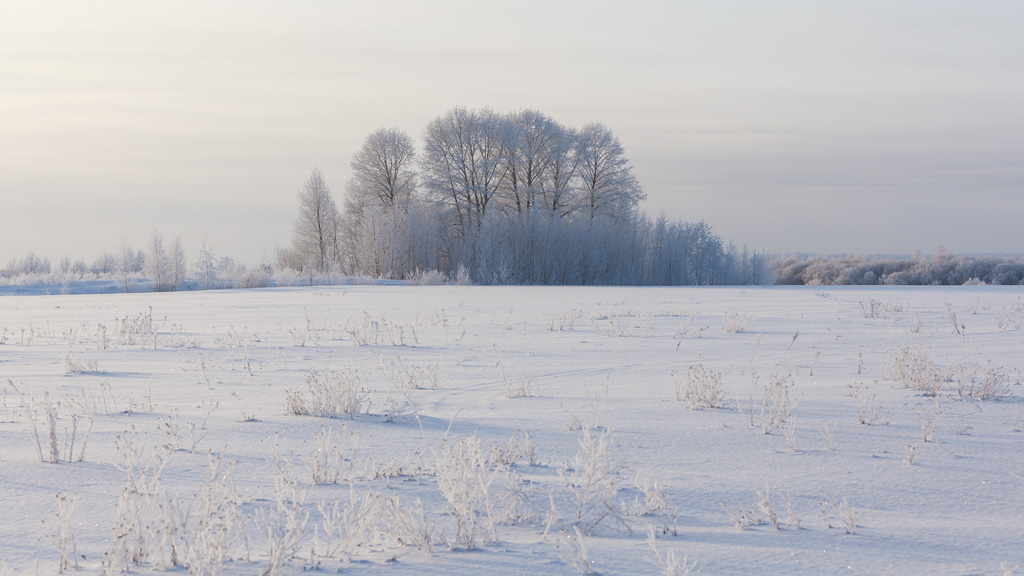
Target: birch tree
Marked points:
315	237
382	185
608	186
463	163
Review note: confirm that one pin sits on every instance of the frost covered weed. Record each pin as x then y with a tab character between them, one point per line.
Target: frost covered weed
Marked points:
60	448
839	514
742	517
515	449
344	529
215	522
377	332
928	425
667	563
517	386
330	393
915	322
958	328
593	482
735	323
565	321
574	552
789	433
370	520
285	523
464	479
180	435
137	529
621	328
63	537
403	376
911	454
412	467
182	339
90	402
764	511
915	370
654	498
70	365
700	387
777	402
875	309
242	343
828	429
137	330
981	384
327	464
514	497
1011	316
864	400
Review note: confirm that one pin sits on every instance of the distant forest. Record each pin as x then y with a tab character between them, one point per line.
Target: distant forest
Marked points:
943	268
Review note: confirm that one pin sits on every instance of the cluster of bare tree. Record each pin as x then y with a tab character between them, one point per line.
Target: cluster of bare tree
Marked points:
504	198
513	198
943	268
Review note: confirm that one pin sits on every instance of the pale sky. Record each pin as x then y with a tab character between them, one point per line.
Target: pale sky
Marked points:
860	126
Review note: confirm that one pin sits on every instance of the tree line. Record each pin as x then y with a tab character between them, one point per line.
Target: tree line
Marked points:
942	268
490	198
504	198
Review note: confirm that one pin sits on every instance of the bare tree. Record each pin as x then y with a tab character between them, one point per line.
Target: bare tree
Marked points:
315	237
178	265
463	163
559	185
608	186
158	263
382	171
533	140
383	181
127	262
206	266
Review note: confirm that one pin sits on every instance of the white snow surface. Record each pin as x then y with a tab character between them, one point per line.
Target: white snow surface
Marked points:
202	375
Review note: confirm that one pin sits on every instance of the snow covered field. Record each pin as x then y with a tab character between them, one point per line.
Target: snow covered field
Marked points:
514	430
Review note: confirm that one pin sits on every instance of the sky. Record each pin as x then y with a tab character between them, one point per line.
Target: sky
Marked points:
818	127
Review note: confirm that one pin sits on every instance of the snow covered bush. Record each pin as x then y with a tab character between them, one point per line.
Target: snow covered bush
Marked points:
668	564
593	483
215	522
284	523
464	479
327	464
734	323
914	369
574	552
139	528
777	402
972	381
700	387
329	393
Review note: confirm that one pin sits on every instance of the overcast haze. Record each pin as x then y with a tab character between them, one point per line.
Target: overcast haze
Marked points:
864	127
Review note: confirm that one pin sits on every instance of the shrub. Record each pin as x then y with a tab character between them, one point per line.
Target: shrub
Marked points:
700	387
329	394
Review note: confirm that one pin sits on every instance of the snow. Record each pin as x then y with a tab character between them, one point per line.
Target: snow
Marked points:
209	372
